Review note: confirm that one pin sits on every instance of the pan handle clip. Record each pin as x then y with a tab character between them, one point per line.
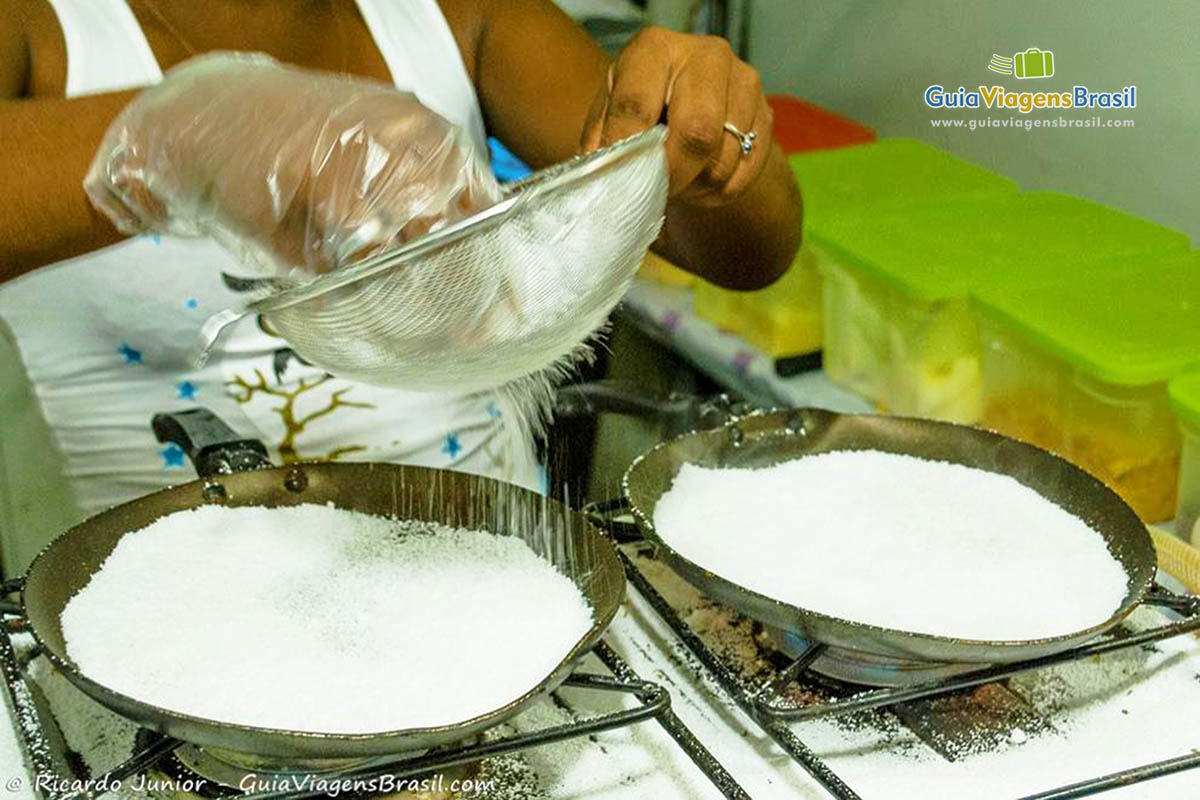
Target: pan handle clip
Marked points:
213	447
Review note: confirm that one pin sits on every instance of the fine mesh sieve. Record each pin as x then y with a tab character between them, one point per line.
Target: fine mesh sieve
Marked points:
498	296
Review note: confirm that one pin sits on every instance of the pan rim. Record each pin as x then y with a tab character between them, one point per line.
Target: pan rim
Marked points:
602	619
1139	586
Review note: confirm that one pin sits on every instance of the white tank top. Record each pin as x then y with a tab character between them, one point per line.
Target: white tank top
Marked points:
104	337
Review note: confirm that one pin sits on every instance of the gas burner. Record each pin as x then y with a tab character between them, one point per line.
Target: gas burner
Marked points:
930	701
867	669
191	770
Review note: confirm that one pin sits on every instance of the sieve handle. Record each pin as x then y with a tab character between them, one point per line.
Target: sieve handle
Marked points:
210	332
212	446
677	412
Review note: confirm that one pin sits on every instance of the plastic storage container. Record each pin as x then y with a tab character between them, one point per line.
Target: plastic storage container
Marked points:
1080	366
899	324
1184	391
801	126
781	320
786	319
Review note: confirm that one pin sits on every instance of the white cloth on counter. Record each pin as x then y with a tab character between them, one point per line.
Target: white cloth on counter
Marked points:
105	337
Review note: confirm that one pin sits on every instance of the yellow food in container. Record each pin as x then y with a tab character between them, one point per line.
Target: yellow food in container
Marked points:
1080	366
1185	401
786	319
656	269
901	328
781	320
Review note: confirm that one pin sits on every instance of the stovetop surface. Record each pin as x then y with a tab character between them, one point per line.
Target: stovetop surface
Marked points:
1074	721
1055	726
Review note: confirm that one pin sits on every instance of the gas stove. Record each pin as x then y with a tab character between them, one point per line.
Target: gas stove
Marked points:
608	734
605	733
1115	718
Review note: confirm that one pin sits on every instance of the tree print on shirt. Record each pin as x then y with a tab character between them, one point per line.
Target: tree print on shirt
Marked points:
293	425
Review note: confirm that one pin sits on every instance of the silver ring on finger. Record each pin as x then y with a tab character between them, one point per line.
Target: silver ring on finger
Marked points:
745	140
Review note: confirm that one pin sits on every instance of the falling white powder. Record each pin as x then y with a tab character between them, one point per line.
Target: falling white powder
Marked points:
896	541
317	619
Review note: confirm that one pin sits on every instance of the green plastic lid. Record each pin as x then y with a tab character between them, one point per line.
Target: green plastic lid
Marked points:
1131	321
887	175
1185	397
948	251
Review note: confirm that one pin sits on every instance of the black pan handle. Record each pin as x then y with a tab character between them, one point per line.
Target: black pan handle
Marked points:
213	447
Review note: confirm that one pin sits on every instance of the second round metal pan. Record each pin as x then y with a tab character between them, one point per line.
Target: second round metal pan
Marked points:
762	440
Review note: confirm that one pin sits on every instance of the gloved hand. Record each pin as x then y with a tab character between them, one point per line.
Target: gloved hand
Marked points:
291	170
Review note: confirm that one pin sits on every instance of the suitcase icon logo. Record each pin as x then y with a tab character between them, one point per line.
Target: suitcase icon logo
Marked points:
1033	63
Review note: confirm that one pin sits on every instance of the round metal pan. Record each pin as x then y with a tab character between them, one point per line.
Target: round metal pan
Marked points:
560	535
765	439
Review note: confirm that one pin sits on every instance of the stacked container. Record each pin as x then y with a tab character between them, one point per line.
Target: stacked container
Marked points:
1080	366
801	126
782	320
887	176
1185	400
899	324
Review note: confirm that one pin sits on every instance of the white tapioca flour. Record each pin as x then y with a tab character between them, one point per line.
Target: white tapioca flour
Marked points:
896	541
317	619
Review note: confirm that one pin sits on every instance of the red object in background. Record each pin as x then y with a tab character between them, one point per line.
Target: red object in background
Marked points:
801	126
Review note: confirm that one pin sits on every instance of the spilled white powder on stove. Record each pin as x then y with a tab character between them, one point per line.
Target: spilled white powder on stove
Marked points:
896	541
13	765
317	619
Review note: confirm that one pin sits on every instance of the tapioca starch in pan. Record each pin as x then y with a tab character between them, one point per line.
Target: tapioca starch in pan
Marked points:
313	618
897	541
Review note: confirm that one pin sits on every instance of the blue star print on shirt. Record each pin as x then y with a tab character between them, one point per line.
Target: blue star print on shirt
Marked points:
187	390
190	303
492	409
128	353
172	456
452	447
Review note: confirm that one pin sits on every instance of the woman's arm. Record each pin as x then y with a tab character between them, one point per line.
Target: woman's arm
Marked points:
14	61
47	142
544	85
537	75
46	146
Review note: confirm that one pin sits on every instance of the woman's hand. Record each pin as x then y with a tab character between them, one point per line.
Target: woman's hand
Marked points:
289	169
698	85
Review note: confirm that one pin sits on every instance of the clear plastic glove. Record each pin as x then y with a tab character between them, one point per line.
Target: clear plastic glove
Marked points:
291	170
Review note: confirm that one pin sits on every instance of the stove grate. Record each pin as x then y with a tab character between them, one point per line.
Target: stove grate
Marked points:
49	757
762	703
